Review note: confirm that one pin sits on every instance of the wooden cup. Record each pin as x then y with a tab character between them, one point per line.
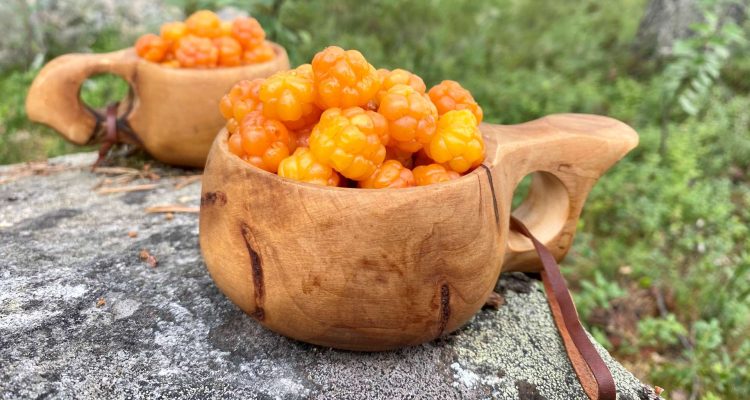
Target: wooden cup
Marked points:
174	114
364	269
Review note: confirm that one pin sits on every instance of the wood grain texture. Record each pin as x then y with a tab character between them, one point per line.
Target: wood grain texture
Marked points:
374	270
175	112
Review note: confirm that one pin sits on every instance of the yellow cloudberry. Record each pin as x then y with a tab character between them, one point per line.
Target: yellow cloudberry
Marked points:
303	166
458	142
348	141
288	96
390	79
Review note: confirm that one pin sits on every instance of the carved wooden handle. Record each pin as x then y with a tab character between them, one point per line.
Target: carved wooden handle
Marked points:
54	97
567	153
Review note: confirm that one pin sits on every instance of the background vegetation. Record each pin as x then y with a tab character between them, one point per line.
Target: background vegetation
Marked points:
661	266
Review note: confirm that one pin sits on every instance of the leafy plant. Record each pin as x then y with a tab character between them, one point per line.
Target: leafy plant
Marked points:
697	62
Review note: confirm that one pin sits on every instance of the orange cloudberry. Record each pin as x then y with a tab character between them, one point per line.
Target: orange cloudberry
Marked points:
172	32
264	141
303	166
398	76
343	78
411	117
235	145
258	54
458	142
348	141
151	47
449	96
204	23
230	51
248	32
433	173
391	174
196	52
242	98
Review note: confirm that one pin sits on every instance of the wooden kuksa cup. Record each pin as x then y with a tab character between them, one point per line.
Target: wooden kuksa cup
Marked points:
174	114
377	269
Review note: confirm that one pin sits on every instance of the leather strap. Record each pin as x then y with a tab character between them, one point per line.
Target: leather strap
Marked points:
110	132
591	370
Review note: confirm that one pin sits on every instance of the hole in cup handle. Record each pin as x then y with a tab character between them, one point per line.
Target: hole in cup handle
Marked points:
566	153
54	96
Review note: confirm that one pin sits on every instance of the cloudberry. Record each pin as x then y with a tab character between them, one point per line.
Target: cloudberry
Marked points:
248	32
230	51
196	52
235	145
172	32
458	142
151	47
258	54
433	173
398	76
242	98
449	96
265	142
233	126
289	97
391	174
411	117
204	23
302	166
343	78
348	140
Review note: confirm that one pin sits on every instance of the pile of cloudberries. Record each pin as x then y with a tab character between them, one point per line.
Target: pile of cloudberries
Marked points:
340	122
205	41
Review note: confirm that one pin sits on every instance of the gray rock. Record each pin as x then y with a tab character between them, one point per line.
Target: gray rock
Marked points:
167	332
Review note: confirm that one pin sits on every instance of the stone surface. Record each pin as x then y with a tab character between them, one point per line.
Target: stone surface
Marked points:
81	315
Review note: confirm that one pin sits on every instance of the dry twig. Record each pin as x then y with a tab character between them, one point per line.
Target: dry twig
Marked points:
121	189
172	208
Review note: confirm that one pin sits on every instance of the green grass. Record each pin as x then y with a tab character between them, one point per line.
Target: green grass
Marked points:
661	264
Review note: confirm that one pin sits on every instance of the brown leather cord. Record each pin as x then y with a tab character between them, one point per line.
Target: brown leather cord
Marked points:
591	370
116	130
110	133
